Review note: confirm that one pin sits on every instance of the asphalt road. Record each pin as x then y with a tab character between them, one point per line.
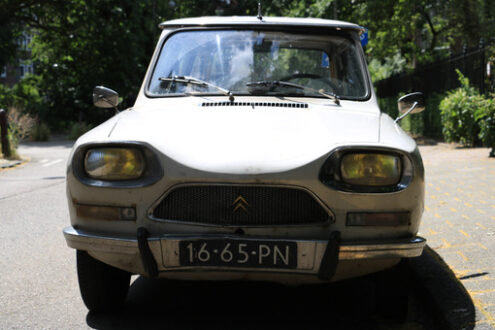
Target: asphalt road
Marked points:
39	289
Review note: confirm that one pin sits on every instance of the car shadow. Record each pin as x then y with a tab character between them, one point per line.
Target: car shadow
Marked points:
158	304
437	300
444	295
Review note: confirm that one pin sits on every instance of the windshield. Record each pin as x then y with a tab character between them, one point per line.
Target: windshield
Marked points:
236	60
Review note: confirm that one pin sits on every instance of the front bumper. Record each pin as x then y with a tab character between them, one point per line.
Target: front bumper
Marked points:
127	252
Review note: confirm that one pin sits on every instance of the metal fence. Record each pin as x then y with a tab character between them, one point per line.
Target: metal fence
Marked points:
441	76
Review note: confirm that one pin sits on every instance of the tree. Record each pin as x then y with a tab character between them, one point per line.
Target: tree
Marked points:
83	43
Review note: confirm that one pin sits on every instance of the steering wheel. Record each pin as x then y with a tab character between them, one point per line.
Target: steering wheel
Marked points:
311	76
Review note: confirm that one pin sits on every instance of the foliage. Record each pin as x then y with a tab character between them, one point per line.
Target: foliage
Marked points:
458	113
24	95
79	44
20	124
388	105
9	30
78	129
27	96
431	116
12	141
485	116
89	44
40	132
391	66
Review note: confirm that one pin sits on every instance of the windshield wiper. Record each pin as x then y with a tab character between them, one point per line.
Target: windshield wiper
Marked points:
276	83
198	82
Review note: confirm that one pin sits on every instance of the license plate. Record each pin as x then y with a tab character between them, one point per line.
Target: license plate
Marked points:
238	253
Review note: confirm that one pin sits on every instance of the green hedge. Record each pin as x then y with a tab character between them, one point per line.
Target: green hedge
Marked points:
468	117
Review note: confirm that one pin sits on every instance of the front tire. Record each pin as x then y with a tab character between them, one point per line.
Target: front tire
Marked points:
103	287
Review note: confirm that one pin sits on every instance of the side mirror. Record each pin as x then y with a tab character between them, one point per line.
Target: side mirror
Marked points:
409	104
105	97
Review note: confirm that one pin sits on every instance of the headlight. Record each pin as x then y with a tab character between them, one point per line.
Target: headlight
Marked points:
114	163
370	169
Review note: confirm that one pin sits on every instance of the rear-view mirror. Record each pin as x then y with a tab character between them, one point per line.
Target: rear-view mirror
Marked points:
104	97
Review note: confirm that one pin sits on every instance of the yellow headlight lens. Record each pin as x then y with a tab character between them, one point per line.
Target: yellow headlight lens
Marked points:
114	163
370	169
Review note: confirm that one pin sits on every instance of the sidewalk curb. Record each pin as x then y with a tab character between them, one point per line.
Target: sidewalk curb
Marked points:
9	163
442	292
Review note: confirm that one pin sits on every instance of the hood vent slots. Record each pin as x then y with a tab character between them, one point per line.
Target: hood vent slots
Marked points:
255	104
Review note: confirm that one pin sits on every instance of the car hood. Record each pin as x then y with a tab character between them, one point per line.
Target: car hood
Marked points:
247	139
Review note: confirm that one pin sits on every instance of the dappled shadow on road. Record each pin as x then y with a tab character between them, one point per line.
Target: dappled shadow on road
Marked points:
445	296
154	304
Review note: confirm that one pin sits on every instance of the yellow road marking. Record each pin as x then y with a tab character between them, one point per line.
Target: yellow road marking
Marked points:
453	210
482	201
465	217
468	205
432	232
464	233
445	243
483	247
481	226
460	190
433	197
430	184
462	255
427	208
437	188
480	211
437	215
482	291
446	193
449	223
493	218
457	199
481	308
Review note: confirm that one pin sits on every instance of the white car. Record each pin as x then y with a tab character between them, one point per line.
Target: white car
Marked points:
255	151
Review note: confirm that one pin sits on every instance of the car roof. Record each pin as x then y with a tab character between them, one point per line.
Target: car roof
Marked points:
255	21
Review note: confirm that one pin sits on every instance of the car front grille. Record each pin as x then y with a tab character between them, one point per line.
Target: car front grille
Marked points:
241	206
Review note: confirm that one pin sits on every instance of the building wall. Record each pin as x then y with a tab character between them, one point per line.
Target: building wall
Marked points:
21	66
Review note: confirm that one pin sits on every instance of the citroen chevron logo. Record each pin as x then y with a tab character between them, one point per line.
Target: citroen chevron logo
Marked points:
240	203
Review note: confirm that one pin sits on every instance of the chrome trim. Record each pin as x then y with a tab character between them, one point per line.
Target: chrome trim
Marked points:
234	21
404	248
331	215
313	249
83	240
